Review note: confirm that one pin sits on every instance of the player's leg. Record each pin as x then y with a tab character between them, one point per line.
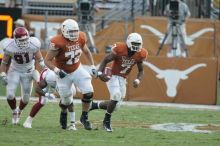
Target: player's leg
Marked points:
63	116
35	109
99	105
26	89
115	86
13	81
82	80
72	117
66	92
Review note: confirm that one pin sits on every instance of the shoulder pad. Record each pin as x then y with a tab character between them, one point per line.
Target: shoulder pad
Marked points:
35	42
5	42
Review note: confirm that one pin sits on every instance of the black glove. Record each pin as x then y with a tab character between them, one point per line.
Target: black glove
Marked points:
62	74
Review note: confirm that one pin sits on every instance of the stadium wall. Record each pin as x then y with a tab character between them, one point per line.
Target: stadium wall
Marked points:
180	80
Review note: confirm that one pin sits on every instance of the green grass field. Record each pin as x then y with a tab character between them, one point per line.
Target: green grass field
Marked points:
130	124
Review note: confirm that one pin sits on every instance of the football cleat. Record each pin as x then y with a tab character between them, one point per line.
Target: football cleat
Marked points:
72	127
28	123
63	120
87	125
107	126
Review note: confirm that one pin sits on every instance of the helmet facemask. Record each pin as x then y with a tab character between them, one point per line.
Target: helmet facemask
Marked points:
22	42
135	46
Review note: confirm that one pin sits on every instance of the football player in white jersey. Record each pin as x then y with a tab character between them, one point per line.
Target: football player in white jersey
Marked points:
46	89
21	53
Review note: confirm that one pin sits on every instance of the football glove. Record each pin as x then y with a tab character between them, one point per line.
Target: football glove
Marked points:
104	77
3	78
94	71
136	83
50	96
61	73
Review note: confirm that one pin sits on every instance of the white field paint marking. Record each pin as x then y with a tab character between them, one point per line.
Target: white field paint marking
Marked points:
180	127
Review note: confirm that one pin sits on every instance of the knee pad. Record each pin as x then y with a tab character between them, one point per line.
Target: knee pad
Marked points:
118	105
26	98
62	106
10	96
87	98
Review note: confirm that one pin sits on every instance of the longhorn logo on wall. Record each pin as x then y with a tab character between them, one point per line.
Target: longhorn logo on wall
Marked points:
172	77
189	40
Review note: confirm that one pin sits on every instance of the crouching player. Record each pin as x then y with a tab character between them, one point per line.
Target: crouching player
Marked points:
46	89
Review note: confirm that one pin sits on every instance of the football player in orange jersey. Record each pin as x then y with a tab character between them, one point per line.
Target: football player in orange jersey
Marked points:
124	56
67	48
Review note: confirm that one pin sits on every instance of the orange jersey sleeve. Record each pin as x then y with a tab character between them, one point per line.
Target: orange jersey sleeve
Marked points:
68	58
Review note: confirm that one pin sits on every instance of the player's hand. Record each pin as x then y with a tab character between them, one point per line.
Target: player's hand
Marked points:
50	96
104	78
3	78
136	83
61	73
94	71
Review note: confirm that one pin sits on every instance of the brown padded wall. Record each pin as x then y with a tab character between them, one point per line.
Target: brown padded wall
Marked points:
199	88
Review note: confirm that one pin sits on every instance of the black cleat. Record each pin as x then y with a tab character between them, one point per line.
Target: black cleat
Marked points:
63	120
87	125
107	126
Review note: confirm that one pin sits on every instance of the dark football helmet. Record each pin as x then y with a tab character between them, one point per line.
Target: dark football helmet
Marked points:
21	37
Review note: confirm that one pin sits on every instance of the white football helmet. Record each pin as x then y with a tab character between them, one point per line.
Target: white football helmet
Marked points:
134	42
21	37
70	29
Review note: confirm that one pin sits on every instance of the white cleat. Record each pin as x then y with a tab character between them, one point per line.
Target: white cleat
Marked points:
27	125
72	127
28	122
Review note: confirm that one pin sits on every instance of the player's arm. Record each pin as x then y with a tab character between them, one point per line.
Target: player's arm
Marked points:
88	54
140	70
39	90
39	59
3	69
5	62
52	52
140	74
110	57
40	86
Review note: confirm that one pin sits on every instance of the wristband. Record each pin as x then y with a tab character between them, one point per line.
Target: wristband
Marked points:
3	74
137	81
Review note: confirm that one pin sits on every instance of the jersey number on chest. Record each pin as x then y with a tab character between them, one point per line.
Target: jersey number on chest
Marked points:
22	58
73	56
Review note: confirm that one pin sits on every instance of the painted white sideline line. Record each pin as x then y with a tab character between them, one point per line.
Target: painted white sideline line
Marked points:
153	104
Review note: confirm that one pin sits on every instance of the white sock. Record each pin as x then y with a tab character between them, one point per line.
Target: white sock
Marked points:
29	119
72	117
98	105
